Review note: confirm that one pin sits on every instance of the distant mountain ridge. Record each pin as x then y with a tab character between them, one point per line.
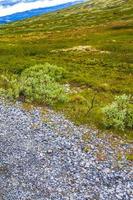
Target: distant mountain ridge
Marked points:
34	12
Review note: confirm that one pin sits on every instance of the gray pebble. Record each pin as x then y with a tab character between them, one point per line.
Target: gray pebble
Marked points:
46	160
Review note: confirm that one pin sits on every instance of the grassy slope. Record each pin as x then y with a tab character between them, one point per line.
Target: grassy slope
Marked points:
104	25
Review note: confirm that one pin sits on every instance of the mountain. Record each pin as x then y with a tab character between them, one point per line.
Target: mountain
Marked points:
34	12
92	41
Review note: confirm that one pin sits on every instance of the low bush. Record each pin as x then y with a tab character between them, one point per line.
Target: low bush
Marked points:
57	73
37	83
11	86
119	114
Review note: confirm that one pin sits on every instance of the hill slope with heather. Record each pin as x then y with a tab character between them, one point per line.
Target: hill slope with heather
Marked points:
91	41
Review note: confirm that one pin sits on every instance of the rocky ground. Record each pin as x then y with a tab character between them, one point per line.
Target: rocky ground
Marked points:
46	157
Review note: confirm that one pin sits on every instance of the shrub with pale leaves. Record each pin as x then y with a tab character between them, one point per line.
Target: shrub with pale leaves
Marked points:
119	114
38	83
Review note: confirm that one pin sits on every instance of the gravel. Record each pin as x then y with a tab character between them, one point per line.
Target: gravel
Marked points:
43	156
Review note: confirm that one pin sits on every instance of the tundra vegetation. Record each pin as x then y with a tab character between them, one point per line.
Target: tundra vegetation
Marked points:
89	48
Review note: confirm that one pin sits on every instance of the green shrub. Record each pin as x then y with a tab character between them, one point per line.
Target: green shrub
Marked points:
11	86
37	83
51	70
119	114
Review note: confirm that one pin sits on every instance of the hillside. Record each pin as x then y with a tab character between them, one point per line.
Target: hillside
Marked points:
92	41
33	12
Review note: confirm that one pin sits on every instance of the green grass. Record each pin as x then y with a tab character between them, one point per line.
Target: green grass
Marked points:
129	157
105	26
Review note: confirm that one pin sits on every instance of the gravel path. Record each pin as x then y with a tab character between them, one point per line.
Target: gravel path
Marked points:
44	157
